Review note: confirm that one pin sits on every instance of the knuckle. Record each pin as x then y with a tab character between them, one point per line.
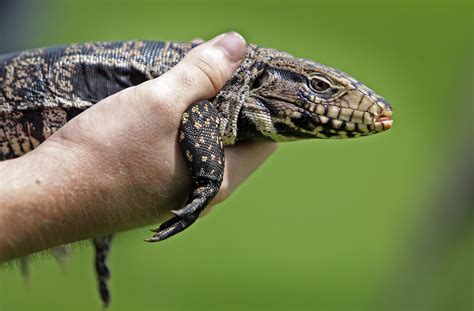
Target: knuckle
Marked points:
153	95
186	79
211	73
210	68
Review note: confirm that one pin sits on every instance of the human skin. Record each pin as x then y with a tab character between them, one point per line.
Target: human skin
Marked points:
118	165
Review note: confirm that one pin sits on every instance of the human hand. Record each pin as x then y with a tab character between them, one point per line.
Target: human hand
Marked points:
118	165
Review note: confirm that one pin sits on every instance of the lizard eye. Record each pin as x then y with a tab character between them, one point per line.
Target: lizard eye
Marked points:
320	84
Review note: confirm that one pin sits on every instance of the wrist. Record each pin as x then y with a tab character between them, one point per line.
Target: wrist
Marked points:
48	199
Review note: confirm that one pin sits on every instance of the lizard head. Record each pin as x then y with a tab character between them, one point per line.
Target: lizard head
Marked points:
305	99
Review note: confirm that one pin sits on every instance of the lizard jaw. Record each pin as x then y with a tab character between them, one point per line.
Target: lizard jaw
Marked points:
384	121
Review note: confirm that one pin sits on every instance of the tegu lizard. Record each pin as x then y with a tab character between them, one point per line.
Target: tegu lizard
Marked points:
272	96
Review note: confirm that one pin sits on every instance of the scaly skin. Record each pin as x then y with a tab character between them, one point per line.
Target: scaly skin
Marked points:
271	96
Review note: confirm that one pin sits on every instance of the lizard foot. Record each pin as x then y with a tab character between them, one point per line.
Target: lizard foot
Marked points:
200	199
187	215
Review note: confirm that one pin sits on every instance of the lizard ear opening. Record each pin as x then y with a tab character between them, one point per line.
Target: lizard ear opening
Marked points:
261	79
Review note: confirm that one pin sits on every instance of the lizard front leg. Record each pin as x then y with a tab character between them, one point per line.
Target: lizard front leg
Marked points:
202	146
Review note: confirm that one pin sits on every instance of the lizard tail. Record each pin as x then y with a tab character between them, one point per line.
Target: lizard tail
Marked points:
102	248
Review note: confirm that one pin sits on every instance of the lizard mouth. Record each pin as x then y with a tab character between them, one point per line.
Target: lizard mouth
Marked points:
383	122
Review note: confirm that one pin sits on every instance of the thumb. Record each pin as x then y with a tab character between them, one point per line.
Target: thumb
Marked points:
203	71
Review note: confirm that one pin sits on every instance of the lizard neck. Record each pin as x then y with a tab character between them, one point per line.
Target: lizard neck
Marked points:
235	95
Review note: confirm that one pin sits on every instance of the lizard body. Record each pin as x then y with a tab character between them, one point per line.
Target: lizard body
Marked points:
271	96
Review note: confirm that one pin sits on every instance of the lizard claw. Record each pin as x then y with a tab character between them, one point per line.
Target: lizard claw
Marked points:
178	212
172	226
166	224
195	206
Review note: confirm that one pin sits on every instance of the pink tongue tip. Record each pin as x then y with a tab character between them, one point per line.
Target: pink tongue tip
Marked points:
386	123
384	119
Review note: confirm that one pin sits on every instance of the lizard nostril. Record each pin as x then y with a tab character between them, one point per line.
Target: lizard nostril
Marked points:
385	104
385	114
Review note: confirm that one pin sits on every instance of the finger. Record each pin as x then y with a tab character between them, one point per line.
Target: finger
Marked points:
202	72
241	161
210	65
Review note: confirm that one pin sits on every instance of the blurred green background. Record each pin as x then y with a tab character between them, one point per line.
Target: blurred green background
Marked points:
379	223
